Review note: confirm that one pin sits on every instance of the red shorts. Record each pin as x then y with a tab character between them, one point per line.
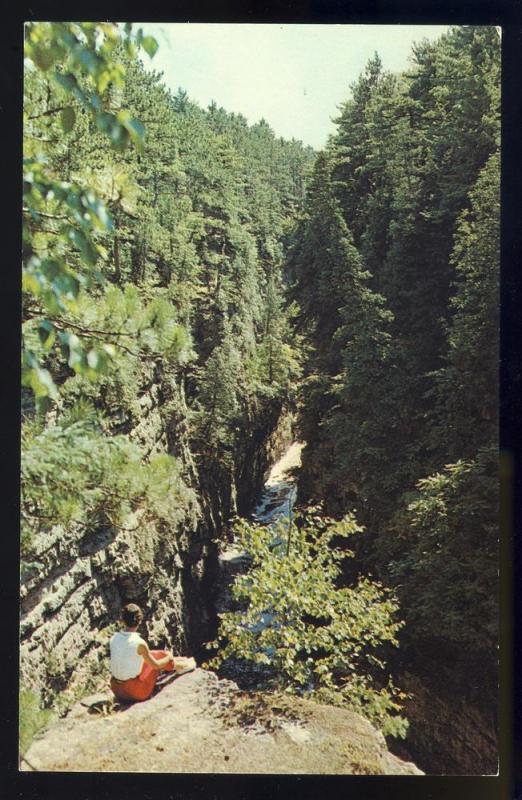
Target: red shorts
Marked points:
140	688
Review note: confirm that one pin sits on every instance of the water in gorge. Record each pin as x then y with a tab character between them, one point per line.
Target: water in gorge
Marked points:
276	502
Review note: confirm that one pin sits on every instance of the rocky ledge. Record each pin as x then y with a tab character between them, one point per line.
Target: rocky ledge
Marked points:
197	723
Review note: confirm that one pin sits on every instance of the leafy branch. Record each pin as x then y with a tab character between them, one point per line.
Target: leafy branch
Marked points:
81	59
314	637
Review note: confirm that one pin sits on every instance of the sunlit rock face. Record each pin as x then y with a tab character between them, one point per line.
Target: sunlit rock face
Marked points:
220	729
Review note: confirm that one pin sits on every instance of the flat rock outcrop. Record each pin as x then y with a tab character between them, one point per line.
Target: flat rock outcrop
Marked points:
199	724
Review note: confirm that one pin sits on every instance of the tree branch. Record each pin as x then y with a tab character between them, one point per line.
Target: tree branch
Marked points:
63	324
42	138
43	214
48	112
59	321
93	334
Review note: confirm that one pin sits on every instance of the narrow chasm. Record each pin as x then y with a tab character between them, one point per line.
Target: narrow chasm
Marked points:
275	503
221	327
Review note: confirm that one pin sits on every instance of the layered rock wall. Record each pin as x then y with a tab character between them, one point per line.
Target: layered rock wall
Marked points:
72	598
73	595
448	733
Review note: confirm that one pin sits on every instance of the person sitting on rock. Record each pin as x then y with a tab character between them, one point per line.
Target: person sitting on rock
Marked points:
134	667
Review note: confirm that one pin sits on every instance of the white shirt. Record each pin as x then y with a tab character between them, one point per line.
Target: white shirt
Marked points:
125	661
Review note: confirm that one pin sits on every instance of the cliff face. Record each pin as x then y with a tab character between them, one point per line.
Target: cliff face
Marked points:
69	602
72	600
449	734
198	723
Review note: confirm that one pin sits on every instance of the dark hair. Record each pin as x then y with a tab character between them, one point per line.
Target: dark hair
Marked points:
131	615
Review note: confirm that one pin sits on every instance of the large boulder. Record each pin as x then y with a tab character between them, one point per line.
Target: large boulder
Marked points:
200	724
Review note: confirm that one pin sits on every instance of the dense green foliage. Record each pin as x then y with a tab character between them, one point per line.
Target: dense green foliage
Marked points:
467	405
75	64
395	269
180	252
445	552
154	261
72	474
317	638
33	718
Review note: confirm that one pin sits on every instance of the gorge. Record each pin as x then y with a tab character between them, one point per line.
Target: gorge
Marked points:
200	296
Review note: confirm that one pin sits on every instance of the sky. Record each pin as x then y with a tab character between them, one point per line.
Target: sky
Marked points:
293	76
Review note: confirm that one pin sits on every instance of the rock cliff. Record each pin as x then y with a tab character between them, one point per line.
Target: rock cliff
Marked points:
72	595
448	733
199	724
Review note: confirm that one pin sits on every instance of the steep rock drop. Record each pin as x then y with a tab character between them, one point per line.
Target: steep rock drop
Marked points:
277	500
201	724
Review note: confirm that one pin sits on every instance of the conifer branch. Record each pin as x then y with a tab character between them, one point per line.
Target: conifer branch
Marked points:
48	112
59	321
44	214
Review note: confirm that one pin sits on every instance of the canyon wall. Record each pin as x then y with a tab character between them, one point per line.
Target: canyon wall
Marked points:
72	596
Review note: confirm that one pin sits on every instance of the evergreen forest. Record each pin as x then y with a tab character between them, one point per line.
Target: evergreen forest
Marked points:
247	288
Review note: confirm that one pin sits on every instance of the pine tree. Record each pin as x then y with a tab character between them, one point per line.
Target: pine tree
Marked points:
187	228
467	405
345	392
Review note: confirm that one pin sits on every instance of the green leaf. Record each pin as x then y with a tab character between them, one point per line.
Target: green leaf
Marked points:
105	121
150	45
46	333
88	59
30	283
40	381
84	245
135	128
104	217
68	118
120	138
103	80
67	81
113	127
93	359
51	268
67	286
130	49
43	57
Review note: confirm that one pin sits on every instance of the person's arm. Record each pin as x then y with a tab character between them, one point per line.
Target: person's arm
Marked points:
155	663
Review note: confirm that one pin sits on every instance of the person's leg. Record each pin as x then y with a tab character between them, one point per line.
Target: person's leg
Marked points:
184	664
133	690
161	654
144	684
118	691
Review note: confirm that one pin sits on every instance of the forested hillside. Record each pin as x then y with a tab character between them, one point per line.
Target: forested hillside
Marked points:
183	278
395	268
158	359
190	283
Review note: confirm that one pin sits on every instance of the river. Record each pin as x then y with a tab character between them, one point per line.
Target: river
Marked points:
276	502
